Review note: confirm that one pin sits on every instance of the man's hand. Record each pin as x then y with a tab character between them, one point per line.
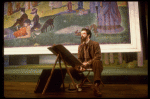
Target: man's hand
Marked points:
85	63
82	69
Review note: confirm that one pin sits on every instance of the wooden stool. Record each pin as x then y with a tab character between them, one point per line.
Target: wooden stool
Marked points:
86	78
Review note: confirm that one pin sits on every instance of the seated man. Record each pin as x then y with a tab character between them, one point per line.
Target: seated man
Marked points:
89	54
23	17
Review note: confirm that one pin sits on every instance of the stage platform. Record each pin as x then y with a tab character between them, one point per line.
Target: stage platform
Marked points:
26	90
110	74
119	82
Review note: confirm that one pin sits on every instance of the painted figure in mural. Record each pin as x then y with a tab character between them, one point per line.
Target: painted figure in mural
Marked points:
81	9
23	17
28	5
109	18
89	54
51	4
57	4
23	32
80	5
35	22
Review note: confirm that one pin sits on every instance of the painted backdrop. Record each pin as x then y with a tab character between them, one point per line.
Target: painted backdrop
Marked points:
61	22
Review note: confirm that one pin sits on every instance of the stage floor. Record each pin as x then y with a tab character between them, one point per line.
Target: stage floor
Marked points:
26	90
119	82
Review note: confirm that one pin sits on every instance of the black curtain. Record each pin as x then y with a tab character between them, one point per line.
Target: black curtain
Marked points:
143	17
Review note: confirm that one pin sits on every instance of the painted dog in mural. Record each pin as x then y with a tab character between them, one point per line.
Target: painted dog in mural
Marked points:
48	23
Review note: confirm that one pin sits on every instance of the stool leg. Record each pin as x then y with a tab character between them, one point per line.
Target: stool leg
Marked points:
102	83
85	79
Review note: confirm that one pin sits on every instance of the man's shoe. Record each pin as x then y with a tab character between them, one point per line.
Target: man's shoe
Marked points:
97	93
96	90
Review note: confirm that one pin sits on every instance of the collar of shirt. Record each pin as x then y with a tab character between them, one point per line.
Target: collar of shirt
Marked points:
86	41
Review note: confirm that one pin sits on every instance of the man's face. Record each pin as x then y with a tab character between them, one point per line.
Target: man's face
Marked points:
83	36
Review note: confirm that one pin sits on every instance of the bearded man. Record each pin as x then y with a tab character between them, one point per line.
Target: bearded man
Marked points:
89	54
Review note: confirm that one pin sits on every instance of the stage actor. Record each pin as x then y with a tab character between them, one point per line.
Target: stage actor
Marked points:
89	53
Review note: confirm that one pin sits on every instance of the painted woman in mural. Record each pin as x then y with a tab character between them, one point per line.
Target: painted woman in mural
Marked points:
23	32
108	15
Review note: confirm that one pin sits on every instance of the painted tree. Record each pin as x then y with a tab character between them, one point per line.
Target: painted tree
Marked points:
17	5
28	5
69	5
34	3
10	9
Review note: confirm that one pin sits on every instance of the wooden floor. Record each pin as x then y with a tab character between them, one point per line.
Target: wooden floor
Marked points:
26	90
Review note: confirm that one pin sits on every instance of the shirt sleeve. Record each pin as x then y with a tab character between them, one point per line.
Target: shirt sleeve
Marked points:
97	53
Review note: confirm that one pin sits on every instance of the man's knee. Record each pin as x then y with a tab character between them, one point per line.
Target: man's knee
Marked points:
97	64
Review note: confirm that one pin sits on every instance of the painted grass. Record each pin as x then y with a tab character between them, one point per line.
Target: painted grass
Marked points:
43	10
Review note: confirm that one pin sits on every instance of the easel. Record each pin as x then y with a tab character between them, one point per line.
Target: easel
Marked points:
59	58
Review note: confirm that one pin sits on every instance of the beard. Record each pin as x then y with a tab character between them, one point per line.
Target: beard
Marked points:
83	39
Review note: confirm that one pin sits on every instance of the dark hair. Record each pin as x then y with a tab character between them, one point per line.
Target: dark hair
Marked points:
87	31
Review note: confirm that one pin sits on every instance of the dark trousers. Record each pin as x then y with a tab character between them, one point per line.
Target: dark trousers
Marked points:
97	69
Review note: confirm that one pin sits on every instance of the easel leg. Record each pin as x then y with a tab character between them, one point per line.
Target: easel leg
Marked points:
70	75
61	72
49	78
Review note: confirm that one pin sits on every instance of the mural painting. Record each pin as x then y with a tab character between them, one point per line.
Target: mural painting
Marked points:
44	23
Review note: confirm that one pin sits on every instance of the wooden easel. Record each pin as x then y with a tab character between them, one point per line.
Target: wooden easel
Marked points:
59	58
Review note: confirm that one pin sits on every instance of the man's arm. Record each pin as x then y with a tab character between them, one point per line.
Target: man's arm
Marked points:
97	53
